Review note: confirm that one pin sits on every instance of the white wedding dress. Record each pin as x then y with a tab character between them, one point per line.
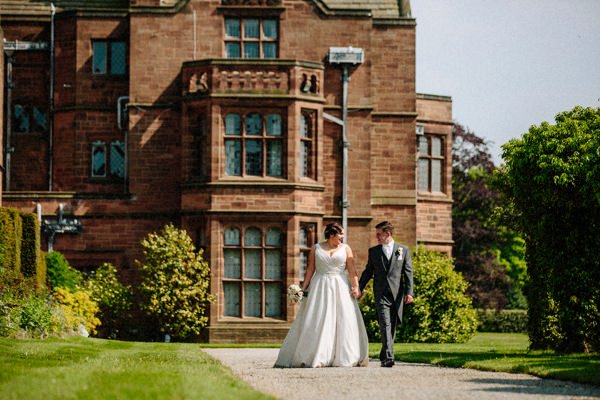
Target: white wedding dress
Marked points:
329	330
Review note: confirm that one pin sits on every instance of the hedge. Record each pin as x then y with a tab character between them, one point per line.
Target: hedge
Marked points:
10	244
30	244
505	321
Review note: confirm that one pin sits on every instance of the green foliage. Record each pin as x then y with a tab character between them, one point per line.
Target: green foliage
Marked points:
175	283
113	298
24	310
441	312
60	273
369	313
36	316
77	310
506	321
552	177
30	245
10	239
486	249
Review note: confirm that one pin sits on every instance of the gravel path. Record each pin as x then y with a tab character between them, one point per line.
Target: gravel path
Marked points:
403	381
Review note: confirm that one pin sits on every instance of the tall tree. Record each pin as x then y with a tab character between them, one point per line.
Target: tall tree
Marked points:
480	241
552	176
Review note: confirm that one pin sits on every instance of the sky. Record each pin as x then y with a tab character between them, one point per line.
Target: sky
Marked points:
508	64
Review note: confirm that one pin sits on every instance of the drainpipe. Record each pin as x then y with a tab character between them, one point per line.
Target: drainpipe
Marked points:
346	57
345	146
122	102
51	111
9	87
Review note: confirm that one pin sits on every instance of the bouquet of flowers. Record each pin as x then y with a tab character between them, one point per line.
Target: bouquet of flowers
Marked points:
294	294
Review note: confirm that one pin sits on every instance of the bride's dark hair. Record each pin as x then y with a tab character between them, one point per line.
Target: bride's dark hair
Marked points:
333	229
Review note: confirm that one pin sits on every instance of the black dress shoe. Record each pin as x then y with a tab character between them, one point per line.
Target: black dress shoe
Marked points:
387	363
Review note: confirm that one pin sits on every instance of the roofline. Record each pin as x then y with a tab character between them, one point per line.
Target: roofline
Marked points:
426	96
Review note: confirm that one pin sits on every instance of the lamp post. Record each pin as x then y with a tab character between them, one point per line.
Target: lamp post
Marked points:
346	57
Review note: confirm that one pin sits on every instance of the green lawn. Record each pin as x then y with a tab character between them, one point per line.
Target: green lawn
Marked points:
501	352
84	368
80	368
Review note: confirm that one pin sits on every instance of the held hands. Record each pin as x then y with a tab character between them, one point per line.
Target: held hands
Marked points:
408	299
355	291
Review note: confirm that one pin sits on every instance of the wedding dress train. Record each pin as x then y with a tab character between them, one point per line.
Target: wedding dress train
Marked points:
329	330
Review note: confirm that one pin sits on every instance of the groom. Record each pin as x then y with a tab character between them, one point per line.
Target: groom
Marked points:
390	266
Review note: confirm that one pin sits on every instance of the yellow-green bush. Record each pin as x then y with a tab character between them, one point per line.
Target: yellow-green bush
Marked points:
441	312
77	309
175	283
113	298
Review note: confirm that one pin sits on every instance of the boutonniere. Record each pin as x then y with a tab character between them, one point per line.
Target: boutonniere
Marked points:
399	254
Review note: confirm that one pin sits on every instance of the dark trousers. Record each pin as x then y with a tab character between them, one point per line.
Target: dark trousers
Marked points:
387	316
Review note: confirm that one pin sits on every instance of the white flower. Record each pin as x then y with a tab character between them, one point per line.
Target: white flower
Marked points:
399	253
294	294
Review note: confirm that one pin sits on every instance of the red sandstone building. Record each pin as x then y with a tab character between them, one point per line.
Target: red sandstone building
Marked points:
222	117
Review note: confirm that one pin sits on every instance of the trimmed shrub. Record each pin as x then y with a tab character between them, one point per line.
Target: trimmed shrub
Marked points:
441	312
10	239
60	273
30	244
41	271
506	321
175	283
113	298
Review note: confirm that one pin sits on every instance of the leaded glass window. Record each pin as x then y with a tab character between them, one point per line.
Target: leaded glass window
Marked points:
27	119
307	159
251	37
117	159
307	238
98	159
254	144
109	57
430	164
253	272
108	160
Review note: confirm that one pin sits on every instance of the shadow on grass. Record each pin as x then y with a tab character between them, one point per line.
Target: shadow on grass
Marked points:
534	386
582	368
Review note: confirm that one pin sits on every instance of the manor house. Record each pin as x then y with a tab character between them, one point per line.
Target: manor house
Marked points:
250	123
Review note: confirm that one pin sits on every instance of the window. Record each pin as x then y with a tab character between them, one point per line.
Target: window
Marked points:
307	160
114	159
254	144
27	118
253	272
251	37
308	237
109	57
431	162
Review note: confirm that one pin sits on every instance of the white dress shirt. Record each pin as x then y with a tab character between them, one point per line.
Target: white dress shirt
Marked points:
388	248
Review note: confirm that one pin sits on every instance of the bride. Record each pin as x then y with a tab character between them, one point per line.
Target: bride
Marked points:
329	330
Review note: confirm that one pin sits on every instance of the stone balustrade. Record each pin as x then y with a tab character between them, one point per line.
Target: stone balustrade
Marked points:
220	77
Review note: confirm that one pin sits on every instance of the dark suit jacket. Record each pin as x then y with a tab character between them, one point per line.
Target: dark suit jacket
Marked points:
397	281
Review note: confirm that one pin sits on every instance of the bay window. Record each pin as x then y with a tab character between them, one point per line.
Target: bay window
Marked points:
253	271
254	144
